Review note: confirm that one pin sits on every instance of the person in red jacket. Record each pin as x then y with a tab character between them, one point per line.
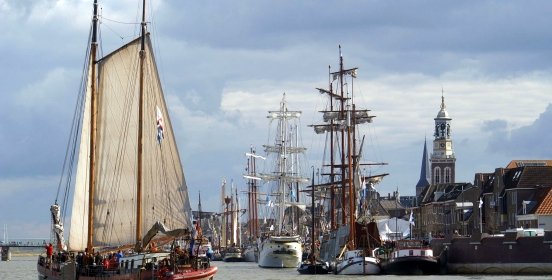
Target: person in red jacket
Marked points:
49	252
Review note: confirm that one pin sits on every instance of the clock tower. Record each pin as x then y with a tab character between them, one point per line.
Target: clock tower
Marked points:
442	159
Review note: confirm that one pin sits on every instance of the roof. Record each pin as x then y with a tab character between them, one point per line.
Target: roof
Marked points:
528	162
444	192
545	205
443	114
528	177
424	172
391	204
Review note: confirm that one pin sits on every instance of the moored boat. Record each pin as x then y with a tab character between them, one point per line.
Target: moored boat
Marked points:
354	262
280	251
347	244
128	176
411	257
233	254
512	253
281	246
316	267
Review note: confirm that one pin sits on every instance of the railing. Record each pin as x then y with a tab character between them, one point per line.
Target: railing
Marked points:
25	242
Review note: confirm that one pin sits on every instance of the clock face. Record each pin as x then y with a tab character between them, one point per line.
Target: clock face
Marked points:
442	145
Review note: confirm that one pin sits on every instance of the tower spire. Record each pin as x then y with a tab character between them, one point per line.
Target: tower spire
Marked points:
424	172
443	99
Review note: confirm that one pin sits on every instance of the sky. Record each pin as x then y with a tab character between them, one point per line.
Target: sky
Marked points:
224	64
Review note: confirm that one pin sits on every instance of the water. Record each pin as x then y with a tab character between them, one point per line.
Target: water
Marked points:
24	268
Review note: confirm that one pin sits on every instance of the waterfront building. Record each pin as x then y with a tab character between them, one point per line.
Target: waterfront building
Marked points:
516	197
446	209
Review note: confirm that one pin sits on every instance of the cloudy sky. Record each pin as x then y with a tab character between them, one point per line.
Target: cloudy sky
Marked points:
224	64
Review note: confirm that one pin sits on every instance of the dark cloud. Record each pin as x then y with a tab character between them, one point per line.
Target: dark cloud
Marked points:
531	141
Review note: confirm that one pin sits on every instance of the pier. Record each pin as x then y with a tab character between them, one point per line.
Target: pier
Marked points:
5	246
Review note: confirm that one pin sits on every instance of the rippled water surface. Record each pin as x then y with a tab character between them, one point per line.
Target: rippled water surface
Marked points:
24	267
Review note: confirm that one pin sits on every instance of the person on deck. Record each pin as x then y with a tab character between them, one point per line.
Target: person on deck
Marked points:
49	252
153	247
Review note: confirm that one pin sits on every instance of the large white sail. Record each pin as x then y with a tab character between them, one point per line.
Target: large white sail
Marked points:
78	224
165	196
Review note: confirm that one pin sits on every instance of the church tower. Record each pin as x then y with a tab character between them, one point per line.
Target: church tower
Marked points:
425	174
442	159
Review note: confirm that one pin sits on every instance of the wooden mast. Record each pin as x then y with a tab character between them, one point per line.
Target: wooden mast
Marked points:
92	151
313	257
332	159
140	132
342	117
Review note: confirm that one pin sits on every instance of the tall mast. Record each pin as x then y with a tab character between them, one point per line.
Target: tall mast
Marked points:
342	113
199	210
252	195
333	222
140	132
283	164
91	178
313	257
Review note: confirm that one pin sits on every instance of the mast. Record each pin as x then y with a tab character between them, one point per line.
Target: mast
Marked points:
313	257
342	112
91	178
283	164
350	181
140	128
199	209
333	223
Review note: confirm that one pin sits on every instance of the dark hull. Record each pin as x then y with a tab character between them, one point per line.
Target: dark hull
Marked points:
496	255
69	271
317	268
411	265
234	259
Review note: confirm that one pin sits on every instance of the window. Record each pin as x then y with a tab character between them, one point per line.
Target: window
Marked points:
437	175
447	175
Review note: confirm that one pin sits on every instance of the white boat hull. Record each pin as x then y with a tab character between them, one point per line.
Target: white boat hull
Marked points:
355	263
281	252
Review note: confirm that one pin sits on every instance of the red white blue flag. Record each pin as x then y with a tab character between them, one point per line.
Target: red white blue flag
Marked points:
160	125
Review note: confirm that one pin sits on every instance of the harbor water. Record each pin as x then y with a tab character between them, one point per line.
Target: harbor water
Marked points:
24	268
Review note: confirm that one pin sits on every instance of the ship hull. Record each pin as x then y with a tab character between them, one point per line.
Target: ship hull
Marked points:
415	265
280	252
317	268
68	271
358	266
524	255
355	263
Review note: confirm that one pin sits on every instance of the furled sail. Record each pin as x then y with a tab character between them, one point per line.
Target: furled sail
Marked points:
165	195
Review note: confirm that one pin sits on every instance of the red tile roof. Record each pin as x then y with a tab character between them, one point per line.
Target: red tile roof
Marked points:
545	207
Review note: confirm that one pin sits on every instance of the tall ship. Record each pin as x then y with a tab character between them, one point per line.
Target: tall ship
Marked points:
233	251
281	245
130	211
350	236
251	249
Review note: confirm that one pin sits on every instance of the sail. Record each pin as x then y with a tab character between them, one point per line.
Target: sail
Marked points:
78	224
165	197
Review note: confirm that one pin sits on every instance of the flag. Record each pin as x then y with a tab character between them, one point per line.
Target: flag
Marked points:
160	125
198	230
411	219
480	203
